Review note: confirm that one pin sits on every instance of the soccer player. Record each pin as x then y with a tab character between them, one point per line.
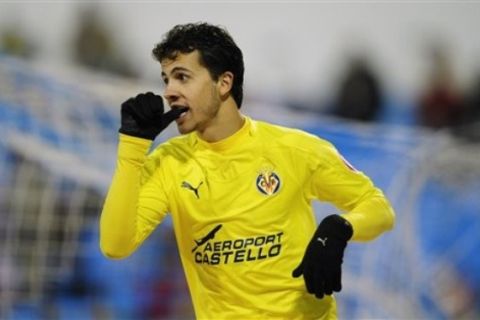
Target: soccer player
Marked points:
239	191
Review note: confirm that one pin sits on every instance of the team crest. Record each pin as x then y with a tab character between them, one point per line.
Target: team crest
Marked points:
268	183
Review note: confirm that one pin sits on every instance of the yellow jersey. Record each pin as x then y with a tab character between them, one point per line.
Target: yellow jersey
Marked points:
242	214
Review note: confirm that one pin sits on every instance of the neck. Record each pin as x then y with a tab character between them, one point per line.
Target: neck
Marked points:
227	121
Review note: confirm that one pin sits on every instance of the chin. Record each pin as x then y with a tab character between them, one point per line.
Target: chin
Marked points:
185	130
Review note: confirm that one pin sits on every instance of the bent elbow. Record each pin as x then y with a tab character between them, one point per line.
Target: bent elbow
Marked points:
389	220
114	252
367	227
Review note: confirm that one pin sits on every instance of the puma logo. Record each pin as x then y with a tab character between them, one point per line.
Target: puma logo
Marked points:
188	186
323	241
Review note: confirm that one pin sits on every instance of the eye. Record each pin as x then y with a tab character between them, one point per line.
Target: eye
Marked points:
182	77
165	80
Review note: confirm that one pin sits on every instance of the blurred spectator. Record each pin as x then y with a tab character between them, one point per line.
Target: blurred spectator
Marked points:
472	113
470	121
455	295
359	96
13	42
440	104
166	284
95	47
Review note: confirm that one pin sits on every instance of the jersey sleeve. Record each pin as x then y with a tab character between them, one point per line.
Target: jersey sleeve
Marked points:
136	201
335	181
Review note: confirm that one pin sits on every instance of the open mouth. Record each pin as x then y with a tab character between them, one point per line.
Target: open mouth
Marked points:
183	114
182	108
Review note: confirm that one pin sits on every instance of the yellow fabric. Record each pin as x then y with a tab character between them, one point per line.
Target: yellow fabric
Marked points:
241	210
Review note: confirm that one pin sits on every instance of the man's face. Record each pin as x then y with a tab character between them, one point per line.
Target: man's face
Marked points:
189	84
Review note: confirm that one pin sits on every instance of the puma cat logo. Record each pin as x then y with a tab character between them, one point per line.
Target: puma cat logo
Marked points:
323	241
188	186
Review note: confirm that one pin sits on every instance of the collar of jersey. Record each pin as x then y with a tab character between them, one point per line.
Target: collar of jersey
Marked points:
232	142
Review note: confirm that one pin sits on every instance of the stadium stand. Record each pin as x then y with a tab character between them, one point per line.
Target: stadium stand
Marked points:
57	154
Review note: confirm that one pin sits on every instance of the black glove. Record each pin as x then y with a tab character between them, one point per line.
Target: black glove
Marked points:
143	116
322	262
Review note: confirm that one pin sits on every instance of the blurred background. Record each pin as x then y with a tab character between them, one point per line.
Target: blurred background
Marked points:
395	86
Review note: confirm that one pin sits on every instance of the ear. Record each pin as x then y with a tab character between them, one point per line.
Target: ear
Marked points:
225	83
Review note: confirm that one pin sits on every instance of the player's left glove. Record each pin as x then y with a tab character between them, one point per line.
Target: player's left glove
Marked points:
321	265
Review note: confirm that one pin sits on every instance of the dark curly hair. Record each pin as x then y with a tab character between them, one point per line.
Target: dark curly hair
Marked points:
218	52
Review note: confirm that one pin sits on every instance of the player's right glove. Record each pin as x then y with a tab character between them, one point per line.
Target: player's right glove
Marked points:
144	117
322	261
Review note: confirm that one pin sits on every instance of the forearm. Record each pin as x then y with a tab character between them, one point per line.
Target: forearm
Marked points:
371	217
118	223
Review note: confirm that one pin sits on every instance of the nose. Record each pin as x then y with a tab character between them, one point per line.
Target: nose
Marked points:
171	94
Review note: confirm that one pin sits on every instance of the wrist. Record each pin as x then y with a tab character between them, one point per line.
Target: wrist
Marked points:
335	226
133	147
138	133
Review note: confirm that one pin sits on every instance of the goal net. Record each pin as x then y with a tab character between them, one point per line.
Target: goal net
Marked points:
57	155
